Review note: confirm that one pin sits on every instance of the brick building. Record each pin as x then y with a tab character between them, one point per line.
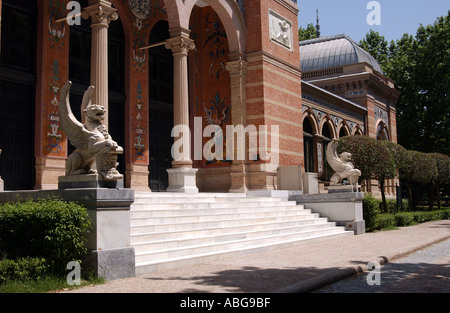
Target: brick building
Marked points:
161	63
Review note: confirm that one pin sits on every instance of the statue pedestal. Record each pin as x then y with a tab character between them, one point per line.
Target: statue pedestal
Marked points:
344	208
87	181
343	188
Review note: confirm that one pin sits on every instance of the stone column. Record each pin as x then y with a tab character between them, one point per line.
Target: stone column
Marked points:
238	72
182	177
101	14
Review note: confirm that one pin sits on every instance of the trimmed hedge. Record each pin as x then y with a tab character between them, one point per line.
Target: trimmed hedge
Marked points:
409	218
376	220
51	229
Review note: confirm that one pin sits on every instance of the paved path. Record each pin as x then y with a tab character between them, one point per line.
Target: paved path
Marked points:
303	268
424	271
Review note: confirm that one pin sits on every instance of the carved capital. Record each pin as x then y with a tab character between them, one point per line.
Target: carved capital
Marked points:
180	45
238	67
100	14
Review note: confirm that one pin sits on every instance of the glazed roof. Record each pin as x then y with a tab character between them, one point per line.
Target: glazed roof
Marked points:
333	51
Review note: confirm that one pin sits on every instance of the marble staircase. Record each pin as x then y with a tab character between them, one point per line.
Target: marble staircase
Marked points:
171	230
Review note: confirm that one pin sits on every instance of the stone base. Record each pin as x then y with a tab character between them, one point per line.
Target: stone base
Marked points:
87	181
182	180
112	264
343	188
344	208
273	193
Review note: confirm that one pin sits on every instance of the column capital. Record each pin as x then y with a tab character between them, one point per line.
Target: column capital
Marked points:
101	13
180	45
238	67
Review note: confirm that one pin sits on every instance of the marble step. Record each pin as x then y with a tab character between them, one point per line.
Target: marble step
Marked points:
137	236
150	212
144	226
164	244
149	218
206	205
177	258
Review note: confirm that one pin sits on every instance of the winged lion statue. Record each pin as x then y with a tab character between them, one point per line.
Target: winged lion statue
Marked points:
96	151
342	165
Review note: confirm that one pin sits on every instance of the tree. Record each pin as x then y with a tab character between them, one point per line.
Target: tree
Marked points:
371	157
377	46
307	33
423	171
419	67
442	178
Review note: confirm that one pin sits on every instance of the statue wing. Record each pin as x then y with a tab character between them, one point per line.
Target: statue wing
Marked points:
75	131
333	158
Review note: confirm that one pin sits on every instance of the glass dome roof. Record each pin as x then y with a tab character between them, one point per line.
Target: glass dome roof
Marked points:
333	51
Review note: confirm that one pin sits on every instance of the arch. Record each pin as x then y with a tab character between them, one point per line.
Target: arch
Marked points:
343	130
327	120
308	114
357	131
179	12
382	131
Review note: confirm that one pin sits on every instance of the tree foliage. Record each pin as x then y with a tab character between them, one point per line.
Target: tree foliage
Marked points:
307	33
419	66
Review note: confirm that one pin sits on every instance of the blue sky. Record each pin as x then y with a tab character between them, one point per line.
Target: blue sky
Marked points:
350	16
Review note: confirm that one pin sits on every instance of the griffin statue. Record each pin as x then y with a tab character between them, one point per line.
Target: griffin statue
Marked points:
342	165
95	152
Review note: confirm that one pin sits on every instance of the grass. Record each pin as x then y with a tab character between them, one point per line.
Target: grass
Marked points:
45	285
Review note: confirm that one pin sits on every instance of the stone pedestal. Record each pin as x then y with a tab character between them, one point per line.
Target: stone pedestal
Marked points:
182	179
110	253
310	183
87	181
344	208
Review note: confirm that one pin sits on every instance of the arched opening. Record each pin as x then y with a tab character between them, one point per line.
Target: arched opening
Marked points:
79	74
382	133
17	93
308	146
160	107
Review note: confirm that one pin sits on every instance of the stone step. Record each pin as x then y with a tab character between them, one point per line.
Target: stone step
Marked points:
137	237
152	217
155	200
151	225
177	211
205	205
221	238
176	259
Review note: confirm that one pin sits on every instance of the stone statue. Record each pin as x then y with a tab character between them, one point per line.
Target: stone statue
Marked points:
96	151
342	165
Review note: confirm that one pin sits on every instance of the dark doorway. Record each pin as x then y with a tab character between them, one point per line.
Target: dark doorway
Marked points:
17	94
161	108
